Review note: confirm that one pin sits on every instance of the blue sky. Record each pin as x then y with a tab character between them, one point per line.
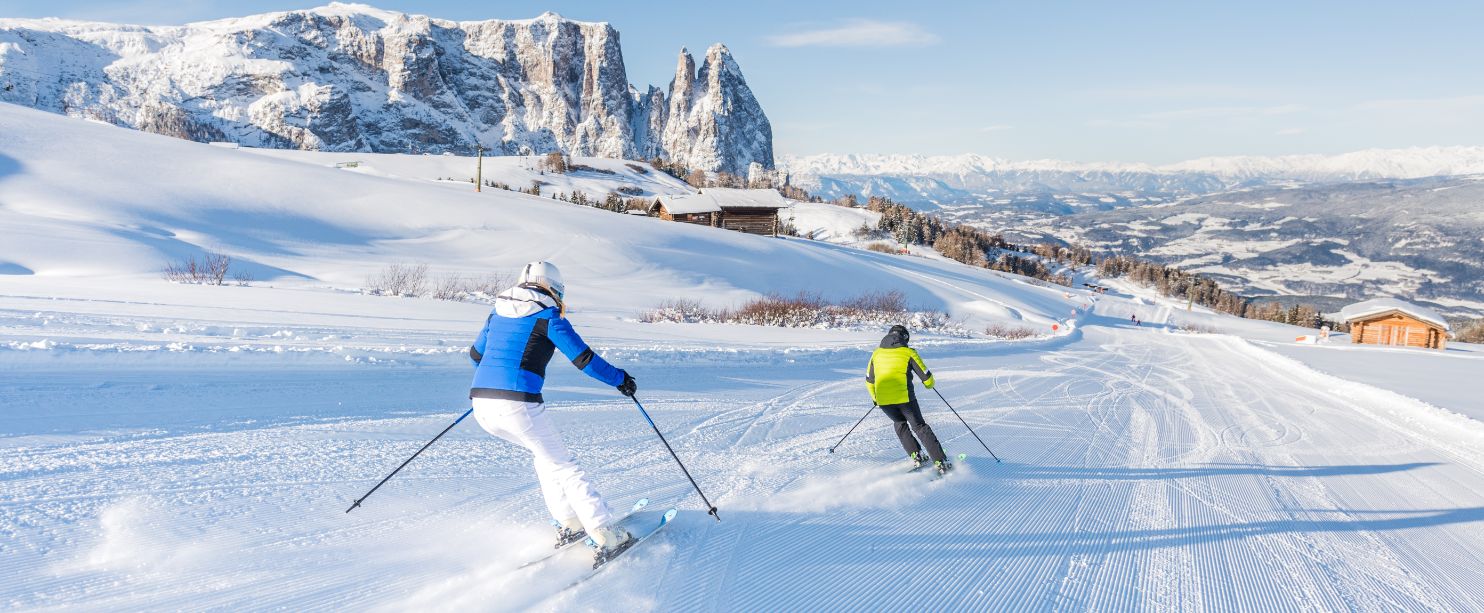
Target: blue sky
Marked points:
1120	81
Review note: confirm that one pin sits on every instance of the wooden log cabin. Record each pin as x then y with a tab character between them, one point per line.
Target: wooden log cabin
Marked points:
754	211
1388	321
698	209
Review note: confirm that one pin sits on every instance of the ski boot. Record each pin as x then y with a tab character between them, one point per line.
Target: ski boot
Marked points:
568	532
918	459
608	542
943	466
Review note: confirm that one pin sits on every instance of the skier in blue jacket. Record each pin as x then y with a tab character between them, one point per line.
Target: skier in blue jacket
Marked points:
510	355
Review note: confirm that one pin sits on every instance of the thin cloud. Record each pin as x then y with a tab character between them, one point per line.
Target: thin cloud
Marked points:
1164	91
1122	123
1290	131
995	128
1224	112
1447	103
859	33
1163	119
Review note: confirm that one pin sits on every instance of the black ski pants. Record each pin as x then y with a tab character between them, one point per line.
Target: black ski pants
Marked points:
906	418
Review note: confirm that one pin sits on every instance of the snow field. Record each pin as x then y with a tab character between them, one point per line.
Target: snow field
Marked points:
1203	481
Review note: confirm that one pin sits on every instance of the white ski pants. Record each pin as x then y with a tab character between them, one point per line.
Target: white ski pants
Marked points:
569	495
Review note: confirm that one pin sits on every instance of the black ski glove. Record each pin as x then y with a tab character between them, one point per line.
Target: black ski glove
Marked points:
629	386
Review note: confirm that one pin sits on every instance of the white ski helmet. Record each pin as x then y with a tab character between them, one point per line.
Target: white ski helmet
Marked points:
544	275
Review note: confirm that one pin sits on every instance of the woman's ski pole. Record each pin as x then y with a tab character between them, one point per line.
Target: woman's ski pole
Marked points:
852	428
711	509
384	479
966	424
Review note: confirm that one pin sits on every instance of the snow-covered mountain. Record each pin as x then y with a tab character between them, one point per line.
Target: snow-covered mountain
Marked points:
349	77
968	178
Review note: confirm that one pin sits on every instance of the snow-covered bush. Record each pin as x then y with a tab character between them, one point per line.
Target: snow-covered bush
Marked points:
1465	331
450	287
805	310
243	278
683	311
409	280
211	269
1009	332
453	286
801	311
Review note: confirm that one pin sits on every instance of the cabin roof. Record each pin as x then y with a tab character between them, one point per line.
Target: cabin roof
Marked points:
732	198
1378	306
682	204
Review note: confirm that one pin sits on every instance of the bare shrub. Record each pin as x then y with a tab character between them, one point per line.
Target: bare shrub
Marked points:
1468	331
637	168
243	278
554	162
450	287
696	178
884	248
806	310
1009	332
399	280
184	271
216	267
888	302
491	283
211	269
682	310
458	287
803	310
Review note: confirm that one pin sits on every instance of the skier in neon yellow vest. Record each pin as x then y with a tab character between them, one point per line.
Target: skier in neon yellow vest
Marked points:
889	379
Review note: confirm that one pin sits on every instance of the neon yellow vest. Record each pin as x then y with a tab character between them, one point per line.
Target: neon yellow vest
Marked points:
889	375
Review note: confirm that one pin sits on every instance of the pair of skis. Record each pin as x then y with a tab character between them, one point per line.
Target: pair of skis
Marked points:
639	526
918	468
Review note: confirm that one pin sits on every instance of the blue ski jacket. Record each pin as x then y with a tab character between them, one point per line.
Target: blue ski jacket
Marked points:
518	340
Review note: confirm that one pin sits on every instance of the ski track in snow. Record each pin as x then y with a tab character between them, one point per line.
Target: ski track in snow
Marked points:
1186	474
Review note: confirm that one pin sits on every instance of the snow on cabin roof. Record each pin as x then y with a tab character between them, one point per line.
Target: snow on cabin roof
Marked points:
1362	310
732	198
683	204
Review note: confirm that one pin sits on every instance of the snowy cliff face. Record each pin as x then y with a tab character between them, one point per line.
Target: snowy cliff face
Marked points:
355	78
713	118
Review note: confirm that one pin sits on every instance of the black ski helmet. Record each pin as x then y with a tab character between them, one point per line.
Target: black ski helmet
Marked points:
901	331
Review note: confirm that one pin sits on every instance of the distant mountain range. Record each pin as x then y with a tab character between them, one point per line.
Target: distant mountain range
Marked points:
924	181
1418	239
349	77
1406	223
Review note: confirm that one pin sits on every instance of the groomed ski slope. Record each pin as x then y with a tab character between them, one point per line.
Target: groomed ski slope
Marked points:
1141	470
185	447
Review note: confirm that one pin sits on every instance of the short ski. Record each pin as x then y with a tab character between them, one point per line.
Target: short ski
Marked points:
638	506
601	561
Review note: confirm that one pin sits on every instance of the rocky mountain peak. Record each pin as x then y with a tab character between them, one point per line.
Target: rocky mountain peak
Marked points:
351	77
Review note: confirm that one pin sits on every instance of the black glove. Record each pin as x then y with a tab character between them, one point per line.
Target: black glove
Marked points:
628	387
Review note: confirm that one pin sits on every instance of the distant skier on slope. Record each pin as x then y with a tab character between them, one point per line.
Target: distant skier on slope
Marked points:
510	357
889	379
